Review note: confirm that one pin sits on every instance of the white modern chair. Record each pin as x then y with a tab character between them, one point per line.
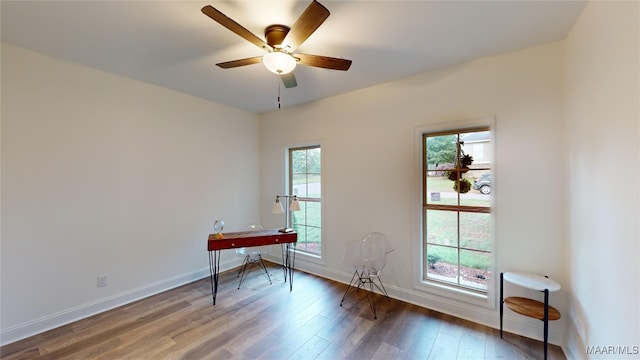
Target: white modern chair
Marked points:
367	257
252	257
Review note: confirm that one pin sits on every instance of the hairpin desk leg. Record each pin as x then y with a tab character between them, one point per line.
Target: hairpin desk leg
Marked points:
291	261
214	269
285	254
501	302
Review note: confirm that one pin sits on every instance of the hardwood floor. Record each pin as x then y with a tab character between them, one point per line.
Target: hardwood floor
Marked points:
262	321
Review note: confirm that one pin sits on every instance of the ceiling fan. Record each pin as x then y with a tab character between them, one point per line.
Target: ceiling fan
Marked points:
281	42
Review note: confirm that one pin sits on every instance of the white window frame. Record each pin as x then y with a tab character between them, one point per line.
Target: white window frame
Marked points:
304	255
439	289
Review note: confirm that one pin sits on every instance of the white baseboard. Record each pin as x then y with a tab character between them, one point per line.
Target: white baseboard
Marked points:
512	323
574	347
53	321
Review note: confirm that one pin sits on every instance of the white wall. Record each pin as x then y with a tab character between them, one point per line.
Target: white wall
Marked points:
603	132
102	175
372	181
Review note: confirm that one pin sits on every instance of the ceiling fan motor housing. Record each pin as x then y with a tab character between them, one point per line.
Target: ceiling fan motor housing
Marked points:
275	34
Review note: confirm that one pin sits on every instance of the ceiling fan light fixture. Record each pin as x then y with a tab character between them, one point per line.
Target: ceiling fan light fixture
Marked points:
279	62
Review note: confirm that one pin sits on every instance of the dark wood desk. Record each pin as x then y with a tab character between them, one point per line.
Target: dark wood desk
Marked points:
248	239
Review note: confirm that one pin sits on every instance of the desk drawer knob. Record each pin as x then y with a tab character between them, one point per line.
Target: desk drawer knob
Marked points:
277	240
233	244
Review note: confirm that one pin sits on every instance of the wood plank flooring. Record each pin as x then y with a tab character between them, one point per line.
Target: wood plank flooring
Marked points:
262	321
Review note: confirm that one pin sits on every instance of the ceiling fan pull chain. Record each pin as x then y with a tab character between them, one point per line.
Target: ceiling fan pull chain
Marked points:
279	94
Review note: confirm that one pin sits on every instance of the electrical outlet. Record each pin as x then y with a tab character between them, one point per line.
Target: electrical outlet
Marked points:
102	281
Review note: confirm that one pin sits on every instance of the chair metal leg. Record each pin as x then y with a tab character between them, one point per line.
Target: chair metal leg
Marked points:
361	279
350	287
382	289
372	303
249	261
242	267
243	270
264	267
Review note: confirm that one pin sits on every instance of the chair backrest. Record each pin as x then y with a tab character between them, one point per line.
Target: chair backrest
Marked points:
255	227
368	254
245	251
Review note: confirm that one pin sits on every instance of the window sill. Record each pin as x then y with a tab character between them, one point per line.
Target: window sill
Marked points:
308	257
468	296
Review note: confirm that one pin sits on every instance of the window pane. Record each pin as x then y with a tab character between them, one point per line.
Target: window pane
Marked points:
302	234
477	146
440	189
314	217
309	239
442	263
298	161
305	175
309	214
480	188
313	160
441	160
299	184
474	269
313	240
313	185
441	152
299	217
442	227
475	231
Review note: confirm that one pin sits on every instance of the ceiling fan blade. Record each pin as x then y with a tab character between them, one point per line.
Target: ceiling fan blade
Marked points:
289	80
227	22
240	62
313	16
324	62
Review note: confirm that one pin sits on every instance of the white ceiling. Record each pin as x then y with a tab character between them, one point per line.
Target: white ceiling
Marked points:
174	45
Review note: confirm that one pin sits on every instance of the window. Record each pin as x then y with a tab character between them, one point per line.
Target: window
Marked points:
305	181
457	219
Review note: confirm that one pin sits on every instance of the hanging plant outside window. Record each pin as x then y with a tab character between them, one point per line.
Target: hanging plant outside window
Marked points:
465	186
463	161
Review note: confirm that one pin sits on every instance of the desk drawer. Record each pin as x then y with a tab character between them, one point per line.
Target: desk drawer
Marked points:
232	241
